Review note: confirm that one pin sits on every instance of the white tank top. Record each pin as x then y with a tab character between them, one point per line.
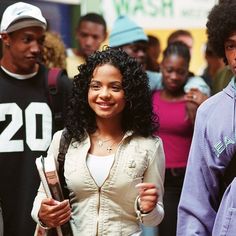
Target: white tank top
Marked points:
99	167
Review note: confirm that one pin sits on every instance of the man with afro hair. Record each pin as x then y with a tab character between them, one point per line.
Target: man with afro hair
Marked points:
208	201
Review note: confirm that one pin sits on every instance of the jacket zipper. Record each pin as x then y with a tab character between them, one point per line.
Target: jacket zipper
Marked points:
98	215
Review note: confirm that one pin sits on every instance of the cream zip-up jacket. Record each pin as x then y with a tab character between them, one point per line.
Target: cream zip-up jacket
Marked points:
112	208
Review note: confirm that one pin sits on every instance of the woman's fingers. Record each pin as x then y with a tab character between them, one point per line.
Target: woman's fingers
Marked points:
195	96
53	213
148	195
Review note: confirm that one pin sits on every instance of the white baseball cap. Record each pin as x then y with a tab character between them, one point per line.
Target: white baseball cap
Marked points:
21	15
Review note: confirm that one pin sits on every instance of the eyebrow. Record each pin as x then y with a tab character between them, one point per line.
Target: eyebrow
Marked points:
112	82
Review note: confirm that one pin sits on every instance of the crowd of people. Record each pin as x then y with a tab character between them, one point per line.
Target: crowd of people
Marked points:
149	150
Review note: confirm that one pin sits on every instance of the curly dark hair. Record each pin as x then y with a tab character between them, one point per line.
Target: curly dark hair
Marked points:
137	114
221	23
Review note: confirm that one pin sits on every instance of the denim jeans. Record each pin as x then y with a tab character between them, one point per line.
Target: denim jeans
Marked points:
149	231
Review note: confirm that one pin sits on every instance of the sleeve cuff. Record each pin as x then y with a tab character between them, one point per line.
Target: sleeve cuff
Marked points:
42	225
151	218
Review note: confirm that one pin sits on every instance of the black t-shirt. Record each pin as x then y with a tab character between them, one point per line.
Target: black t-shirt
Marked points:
26	129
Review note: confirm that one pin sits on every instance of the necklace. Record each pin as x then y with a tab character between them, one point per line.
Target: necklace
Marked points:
101	142
109	148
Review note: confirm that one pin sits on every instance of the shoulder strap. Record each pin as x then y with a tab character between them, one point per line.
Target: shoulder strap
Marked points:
64	145
53	97
53	74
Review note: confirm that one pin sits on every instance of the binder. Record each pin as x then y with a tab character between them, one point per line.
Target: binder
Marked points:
49	177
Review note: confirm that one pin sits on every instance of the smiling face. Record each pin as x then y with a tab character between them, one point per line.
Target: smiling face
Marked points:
23	49
106	96
175	71
230	51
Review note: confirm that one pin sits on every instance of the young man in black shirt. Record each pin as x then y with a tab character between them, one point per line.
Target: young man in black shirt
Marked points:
26	117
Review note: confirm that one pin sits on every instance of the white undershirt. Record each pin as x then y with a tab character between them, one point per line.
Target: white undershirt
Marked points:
99	167
17	76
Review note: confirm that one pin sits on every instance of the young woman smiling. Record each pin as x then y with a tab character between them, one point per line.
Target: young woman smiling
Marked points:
114	167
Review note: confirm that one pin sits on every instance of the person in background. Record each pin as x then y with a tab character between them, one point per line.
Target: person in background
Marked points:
214	66
153	53
129	36
207	203
222	79
54	51
91	32
182	35
27	121
114	167
176	128
194	93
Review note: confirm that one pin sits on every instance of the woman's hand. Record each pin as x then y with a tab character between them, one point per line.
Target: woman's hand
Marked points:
194	99
53	213
148	196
